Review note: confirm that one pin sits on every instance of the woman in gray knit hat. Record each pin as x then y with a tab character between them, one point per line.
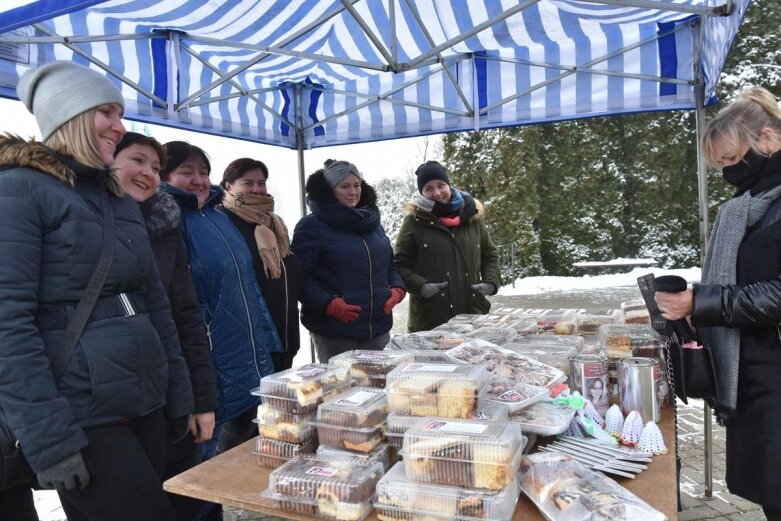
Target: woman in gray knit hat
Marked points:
97	431
349	286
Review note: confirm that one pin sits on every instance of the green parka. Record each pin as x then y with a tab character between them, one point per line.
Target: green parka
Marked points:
427	251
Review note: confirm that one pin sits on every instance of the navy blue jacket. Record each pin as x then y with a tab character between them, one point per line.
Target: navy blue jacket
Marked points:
50	236
344	252
240	329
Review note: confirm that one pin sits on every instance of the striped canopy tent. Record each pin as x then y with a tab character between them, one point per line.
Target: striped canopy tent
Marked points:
313	73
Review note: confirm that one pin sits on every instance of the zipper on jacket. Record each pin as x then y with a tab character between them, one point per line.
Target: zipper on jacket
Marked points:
287	303
209	336
371	288
243	296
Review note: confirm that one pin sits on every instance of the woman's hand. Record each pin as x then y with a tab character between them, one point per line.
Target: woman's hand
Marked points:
202	426
675	306
342	311
396	296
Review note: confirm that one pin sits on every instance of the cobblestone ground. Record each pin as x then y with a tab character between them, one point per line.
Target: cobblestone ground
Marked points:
722	506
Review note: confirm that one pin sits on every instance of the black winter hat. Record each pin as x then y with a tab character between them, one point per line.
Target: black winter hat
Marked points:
428	171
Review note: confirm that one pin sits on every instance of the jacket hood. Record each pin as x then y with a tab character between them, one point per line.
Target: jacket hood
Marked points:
411	209
16	152
318	190
161	214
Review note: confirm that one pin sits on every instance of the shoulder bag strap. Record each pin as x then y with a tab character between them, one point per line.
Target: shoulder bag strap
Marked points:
87	302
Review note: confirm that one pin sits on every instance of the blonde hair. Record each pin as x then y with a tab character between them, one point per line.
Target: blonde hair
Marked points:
76	138
741	122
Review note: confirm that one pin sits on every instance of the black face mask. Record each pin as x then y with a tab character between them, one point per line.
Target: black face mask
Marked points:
747	172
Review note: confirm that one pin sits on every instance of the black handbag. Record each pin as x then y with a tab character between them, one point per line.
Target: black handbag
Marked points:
691	370
14	469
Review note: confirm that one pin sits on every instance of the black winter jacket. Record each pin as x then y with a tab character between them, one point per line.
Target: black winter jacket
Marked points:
122	366
344	255
281	294
162	216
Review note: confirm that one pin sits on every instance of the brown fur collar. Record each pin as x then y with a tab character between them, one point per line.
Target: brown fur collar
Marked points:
15	151
411	209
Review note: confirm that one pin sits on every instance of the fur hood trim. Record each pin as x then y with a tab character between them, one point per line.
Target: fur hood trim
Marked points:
16	152
411	209
161	213
318	189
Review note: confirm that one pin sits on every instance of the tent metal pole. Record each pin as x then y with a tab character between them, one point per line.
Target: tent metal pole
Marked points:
702	185
301	177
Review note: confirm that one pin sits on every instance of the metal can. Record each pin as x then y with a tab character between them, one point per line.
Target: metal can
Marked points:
638	387
588	374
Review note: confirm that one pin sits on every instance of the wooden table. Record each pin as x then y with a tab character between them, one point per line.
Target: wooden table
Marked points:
235	479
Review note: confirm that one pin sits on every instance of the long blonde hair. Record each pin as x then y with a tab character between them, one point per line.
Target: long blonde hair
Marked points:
741	123
76	138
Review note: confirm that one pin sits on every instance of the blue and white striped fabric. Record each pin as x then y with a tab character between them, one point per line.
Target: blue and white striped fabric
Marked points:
375	69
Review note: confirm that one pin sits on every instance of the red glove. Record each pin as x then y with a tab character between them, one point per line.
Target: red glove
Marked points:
341	310
396	296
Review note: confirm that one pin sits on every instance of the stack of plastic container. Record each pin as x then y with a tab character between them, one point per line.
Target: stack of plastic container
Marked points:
454	469
354	421
286	416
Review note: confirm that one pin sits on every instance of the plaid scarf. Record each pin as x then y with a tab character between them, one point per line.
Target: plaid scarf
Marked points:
270	232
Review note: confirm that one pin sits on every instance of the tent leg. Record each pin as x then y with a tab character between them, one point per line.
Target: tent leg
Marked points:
702	184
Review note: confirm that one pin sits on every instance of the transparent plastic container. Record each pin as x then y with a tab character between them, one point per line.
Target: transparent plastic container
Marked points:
494	334
543	418
272	453
635	312
560	322
398	424
564	489
284	426
384	454
354	420
427	340
460	328
503	362
370	368
301	389
476	454
340	489
400	498
552	350
443	390
513	395
588	323
626	340
433	357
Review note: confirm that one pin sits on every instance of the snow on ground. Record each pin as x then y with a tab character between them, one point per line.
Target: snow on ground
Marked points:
535	285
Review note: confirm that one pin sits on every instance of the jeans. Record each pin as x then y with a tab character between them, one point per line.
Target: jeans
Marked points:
327	347
231	433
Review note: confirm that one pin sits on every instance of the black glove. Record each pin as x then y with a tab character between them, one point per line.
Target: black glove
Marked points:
429	289
484	288
69	474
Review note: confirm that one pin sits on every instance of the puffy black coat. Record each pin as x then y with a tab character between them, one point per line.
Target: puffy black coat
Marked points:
122	366
427	251
344	255
754	306
162	216
281	294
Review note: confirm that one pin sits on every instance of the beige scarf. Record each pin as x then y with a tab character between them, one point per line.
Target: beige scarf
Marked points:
270	232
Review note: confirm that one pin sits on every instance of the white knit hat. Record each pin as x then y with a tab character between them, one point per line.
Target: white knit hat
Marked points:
59	91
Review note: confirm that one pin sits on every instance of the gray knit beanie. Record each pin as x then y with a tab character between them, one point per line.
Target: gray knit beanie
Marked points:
336	171
59	91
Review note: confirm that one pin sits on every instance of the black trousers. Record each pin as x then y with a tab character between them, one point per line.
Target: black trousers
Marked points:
183	455
17	503
126	461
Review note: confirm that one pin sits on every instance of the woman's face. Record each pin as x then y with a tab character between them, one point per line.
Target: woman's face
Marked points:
138	171
108	130
596	391
437	190
251	182
348	191
192	176
728	153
